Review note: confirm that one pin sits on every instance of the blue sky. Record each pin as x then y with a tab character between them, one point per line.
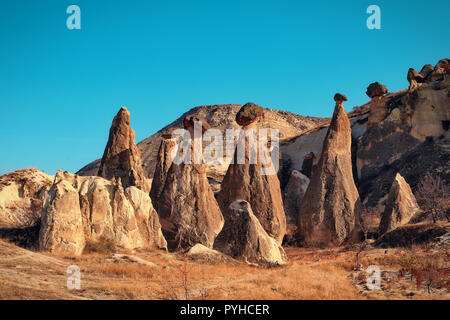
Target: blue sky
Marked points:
60	88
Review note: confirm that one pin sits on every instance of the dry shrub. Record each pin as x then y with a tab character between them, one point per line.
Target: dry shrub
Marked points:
102	245
433	196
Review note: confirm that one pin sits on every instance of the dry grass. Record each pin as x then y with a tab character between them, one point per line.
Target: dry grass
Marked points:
310	274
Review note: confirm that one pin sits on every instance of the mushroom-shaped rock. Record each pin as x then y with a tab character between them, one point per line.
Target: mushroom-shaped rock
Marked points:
121	158
376	89
329	213
340	98
401	206
246	179
62	225
248	114
244	238
188	210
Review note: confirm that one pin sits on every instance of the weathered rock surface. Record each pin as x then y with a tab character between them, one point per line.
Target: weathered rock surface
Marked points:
122	159
308	164
62	225
125	218
401	206
293	195
22	195
220	117
201	253
376	89
248	114
246	181
244	238
412	138
163	163
188	211
329	213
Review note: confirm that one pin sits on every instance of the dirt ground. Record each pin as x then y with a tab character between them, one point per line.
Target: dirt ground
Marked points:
310	274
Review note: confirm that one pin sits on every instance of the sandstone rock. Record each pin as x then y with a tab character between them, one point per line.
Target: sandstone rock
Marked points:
412	140
125	218
248	114
246	181
401	206
188	211
426	70
62	227
293	195
22	195
221	117
189	123
244	238
378	107
308	164
414	78
201	253
376	89
329	213
122	159
164	161
147	218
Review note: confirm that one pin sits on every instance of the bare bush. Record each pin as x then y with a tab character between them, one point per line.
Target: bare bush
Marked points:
433	196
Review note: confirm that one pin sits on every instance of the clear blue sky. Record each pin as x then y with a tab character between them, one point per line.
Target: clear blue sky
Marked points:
60	88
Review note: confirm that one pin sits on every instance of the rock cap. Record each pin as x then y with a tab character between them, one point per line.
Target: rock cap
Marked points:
248	114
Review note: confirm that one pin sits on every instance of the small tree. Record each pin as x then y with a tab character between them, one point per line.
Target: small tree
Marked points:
434	196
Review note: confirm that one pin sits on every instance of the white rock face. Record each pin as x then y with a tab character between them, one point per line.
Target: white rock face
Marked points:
124	217
62	225
22	194
244	238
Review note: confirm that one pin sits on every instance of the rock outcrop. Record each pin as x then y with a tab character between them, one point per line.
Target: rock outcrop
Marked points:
244	238
220	117
246	181
412	138
378	108
329	213
401	206
22	195
107	211
62	225
293	194
308	164
163	163
188	211
122	159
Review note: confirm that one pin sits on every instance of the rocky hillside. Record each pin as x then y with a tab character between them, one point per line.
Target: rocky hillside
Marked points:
220	117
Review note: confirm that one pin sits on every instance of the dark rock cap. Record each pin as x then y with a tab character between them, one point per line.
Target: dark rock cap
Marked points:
376	89
189	122
248	114
339	98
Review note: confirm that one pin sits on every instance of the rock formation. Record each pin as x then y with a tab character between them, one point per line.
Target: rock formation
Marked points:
308	164
246	181
62	225
329	213
188	211
244	238
411	139
401	206
124	218
22	195
122	159
293	195
163	163
220	117
378	108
